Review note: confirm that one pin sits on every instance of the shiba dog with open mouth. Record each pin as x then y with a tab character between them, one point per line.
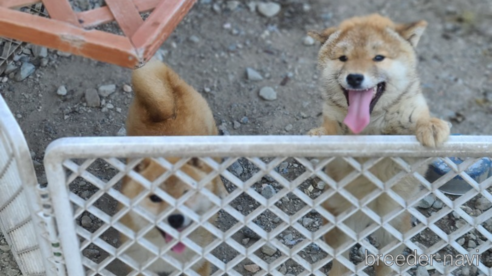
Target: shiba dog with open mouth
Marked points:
165	105
370	86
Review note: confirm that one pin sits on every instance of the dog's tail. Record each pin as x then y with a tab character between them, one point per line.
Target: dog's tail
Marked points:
155	86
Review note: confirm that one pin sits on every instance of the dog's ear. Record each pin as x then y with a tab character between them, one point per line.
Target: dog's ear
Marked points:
412	31
196	162
324	35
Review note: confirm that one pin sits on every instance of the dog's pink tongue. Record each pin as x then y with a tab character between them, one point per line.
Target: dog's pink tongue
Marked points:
358	116
178	248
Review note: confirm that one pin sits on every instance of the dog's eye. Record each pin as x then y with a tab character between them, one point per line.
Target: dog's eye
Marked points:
343	58
379	58
155	198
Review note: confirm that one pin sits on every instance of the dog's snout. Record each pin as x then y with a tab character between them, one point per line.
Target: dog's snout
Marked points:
176	221
355	80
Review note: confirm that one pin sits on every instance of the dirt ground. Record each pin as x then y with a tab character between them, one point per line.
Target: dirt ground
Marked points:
214	45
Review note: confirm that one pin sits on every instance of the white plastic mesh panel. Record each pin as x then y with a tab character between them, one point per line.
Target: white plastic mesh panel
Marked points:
272	220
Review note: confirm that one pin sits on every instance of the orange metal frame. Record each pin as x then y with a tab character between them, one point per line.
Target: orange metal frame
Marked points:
67	30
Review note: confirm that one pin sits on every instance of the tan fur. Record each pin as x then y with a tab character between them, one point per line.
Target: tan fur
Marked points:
165	105
401	110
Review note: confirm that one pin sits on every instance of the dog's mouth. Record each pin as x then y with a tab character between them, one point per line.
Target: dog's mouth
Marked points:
179	247
360	105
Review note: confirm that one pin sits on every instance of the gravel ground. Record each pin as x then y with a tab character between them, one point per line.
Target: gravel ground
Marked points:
259	75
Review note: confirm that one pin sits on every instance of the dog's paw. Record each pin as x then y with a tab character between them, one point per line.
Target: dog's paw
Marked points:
320	131
432	133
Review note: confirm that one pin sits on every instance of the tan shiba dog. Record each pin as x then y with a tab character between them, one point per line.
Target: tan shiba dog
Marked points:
370	86
165	105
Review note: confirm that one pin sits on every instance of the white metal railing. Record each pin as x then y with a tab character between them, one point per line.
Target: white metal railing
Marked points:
84	174
23	220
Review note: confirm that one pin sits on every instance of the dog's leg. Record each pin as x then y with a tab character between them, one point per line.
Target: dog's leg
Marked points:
204	270
403	224
432	132
335	238
330	127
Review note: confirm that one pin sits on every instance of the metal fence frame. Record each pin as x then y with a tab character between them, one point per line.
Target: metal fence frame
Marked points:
23	180
63	149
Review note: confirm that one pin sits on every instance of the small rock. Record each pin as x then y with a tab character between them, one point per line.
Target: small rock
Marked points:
483	204
455	215
253	268
283	269
121	132
253	75
232	5
288	238
438	204
421	271
86	222
245	241
472	244
252	6
267	191
92	98
63	54
426	202
106	90
25	71
91	253
321	185
11	67
4	248
461	241
239	208
216	7
244	120
268	249
109	106
269	9
306	7
62	90
267	93
39	51
288	127
237	168
308	41
127	88
194	39
465	271
44	62
236	125
306	222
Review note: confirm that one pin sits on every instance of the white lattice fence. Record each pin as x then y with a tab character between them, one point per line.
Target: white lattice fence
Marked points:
271	221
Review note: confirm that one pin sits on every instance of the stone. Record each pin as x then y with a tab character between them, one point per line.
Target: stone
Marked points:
268	94
461	241
483	204
438	204
321	185
253	75
269	9
268	249
63	54
472	244
236	168
127	88
267	191
86	221
4	248
308	41
245	241
121	132
426	202
106	90
92	98
44	62
253	268
236	125
244	120
421	271
232	5
39	51
25	71
288	127
195	39
62	90
306	222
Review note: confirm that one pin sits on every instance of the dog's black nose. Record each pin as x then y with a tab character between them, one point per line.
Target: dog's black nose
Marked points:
176	221
355	80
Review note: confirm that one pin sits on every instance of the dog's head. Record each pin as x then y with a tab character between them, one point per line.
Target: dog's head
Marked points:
176	188
367	63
